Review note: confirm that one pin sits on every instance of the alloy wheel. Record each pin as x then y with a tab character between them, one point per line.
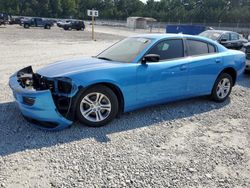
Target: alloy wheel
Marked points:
95	107
223	88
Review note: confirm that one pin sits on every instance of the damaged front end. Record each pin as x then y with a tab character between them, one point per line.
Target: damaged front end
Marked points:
44	101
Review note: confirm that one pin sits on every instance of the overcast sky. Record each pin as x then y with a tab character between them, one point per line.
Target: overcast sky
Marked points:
144	1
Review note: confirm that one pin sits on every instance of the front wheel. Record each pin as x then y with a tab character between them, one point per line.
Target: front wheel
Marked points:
97	106
222	87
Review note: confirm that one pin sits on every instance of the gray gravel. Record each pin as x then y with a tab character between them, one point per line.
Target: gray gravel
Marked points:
190	143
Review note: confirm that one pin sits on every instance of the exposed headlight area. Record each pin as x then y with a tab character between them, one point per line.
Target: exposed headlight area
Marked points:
29	80
62	89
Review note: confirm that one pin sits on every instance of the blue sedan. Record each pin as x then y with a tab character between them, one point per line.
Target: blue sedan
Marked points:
136	72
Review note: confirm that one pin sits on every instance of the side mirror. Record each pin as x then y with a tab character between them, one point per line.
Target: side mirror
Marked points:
150	58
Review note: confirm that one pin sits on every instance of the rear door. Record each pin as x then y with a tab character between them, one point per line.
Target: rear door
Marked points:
204	66
39	22
235	40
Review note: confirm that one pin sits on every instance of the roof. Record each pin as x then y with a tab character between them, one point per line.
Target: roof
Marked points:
219	31
170	35
144	18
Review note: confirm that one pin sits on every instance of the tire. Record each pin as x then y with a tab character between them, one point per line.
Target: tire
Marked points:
26	26
47	27
89	110
222	87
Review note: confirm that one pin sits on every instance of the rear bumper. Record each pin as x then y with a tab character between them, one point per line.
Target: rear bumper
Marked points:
38	106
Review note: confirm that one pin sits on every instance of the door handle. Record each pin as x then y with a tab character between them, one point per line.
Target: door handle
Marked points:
183	67
217	61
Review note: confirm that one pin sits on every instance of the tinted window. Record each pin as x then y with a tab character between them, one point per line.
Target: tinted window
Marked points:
211	48
197	47
234	36
225	37
168	49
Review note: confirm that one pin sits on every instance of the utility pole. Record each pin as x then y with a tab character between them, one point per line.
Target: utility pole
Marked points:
93	27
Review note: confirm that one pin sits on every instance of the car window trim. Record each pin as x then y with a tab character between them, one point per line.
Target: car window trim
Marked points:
164	60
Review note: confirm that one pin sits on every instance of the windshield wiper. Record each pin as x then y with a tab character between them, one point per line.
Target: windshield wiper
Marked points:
104	58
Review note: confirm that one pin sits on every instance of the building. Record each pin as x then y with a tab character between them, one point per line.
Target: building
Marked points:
140	22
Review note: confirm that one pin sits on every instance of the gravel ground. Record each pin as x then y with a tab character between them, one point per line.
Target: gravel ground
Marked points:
191	143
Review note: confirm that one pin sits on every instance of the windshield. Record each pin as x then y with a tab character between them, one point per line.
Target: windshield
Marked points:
211	35
125	50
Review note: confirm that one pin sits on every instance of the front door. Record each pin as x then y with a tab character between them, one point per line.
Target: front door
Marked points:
165	80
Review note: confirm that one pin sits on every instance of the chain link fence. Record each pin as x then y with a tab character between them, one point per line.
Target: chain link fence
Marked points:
243	28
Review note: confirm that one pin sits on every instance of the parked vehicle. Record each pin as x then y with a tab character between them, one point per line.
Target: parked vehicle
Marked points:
76	24
15	20
229	39
62	22
247	51
37	22
136	72
185	29
4	18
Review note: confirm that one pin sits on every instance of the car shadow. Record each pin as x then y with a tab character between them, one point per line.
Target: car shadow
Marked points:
245	80
17	135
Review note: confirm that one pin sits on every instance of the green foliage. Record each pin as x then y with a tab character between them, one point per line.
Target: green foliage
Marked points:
163	10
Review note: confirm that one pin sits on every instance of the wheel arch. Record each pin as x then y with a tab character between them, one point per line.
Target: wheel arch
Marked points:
232	72
117	92
111	86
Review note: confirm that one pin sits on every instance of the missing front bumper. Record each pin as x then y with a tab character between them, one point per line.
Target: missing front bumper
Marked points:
41	108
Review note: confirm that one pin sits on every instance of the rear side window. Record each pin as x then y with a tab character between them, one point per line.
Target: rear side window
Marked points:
169	49
196	47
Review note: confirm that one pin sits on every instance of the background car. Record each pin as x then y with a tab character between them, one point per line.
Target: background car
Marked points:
37	22
247	51
4	18
76	24
136	72
229	39
15	20
62	22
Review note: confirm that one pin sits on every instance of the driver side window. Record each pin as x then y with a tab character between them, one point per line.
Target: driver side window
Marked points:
225	37
169	49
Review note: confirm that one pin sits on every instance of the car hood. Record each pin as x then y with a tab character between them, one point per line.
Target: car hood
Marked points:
75	66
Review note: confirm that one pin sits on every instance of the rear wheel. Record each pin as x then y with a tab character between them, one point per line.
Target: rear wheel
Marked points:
97	106
47	27
26	26
222	87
